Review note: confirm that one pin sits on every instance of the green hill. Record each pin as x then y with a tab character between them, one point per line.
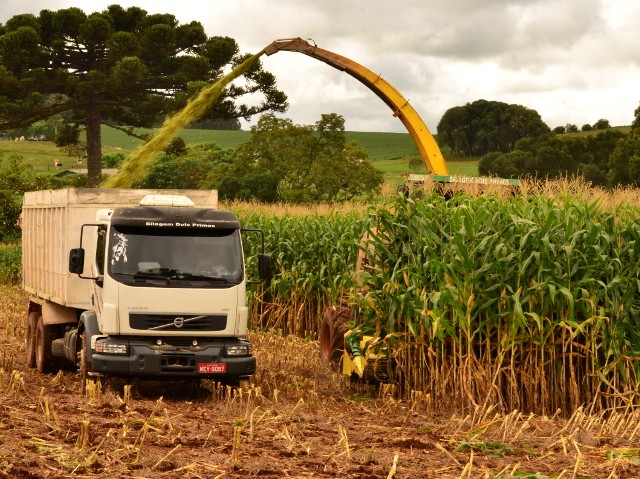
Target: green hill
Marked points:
390	152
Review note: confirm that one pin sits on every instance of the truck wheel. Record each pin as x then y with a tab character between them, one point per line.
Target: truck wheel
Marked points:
334	325
30	339
45	334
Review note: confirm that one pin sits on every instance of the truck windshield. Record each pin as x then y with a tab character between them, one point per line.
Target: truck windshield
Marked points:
163	257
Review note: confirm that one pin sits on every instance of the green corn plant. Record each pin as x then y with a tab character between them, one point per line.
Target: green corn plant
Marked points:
529	303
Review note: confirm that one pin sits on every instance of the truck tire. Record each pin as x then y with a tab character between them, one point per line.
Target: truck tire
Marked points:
334	325
85	366
45	334
30	338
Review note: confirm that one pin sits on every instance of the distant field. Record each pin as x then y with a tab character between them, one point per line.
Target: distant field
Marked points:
380	145
390	152
226	139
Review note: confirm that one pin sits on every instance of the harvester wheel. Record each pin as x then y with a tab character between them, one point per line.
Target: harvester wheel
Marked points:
334	325
30	339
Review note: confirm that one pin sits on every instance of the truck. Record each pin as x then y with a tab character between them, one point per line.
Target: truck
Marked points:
137	283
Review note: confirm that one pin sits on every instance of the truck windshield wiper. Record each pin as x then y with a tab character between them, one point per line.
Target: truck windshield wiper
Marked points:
177	274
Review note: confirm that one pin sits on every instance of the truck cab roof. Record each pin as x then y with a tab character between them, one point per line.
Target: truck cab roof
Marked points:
174	217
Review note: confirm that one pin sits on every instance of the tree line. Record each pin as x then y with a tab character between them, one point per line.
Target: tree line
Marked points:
512	141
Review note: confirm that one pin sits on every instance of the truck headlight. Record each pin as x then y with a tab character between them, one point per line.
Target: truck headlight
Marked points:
238	350
111	348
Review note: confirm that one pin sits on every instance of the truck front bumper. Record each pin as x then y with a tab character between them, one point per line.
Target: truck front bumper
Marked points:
145	358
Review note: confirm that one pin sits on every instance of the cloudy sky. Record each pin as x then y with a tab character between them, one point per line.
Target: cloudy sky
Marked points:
573	61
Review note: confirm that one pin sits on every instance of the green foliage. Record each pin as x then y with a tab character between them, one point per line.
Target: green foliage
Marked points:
40	130
298	164
554	157
481	127
625	160
601	124
217	124
16	177
113	159
636	119
68	134
177	147
117	66
188	171
10	208
10	263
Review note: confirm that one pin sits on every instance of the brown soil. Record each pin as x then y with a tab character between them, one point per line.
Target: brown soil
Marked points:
296	418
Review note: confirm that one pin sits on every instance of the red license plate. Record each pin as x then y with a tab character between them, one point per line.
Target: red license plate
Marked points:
212	368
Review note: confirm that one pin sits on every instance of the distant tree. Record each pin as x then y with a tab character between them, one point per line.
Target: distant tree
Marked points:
183	169
487	167
68	134
261	186
571	128
593	174
601	124
600	147
505	165
636	120
216	124
586	127
624	163
452	132
552	157
486	126
297	163
113	159
119	67
559	130
177	147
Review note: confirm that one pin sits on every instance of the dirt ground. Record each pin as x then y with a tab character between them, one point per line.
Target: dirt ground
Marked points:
295	419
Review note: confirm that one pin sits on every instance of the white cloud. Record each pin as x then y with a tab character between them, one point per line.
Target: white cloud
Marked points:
574	61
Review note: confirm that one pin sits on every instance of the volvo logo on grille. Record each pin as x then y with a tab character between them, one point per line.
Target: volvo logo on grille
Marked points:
178	322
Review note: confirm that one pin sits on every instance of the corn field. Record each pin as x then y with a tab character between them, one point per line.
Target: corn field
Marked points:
314	254
525	302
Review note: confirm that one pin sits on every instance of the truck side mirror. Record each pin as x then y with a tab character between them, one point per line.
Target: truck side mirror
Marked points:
76	260
264	267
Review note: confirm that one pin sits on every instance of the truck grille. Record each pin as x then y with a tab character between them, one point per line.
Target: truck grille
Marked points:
176	322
